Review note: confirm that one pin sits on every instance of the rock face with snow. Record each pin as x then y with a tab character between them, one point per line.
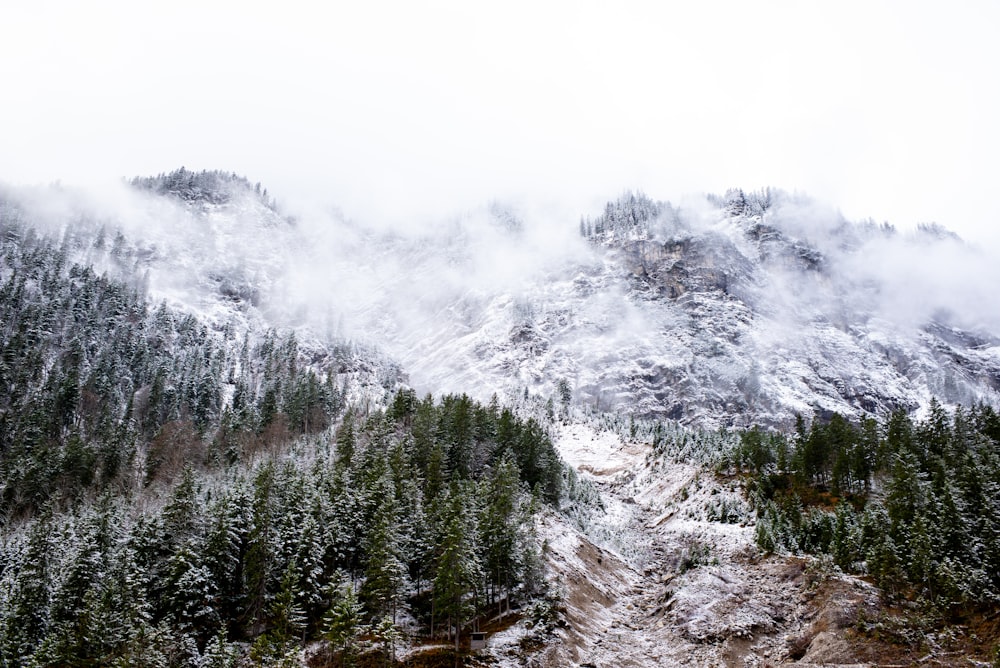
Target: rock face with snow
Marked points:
774	324
745	309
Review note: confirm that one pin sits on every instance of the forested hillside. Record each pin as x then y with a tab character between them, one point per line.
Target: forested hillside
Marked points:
102	389
198	468
419	515
913	504
175	494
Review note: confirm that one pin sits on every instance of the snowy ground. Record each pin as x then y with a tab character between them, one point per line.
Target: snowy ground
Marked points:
653	581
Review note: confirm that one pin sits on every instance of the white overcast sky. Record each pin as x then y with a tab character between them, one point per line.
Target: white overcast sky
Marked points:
403	109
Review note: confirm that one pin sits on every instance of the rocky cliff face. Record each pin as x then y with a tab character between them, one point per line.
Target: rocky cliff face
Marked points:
724	316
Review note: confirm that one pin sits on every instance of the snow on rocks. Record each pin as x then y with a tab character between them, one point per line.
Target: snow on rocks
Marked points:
598	454
654	578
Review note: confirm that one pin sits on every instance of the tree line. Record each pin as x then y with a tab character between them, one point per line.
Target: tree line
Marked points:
212	186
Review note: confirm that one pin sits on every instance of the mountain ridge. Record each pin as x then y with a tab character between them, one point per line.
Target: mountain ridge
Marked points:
714	317
745	308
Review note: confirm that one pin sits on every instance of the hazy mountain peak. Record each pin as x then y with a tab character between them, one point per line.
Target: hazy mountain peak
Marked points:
204	187
748	307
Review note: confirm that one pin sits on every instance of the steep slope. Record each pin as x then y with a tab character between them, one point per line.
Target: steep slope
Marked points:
776	323
175	479
736	311
132	342
740	309
207	244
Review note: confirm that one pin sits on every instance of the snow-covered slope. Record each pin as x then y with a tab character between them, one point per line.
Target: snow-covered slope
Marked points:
221	253
734	310
659	568
728	312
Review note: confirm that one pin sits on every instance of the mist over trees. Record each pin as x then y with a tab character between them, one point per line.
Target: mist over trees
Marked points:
181	490
214	187
102	390
170	489
630	213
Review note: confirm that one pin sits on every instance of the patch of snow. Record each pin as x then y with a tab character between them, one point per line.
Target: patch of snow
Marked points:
648	579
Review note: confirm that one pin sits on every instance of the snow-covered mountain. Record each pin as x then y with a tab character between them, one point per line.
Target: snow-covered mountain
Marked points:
732	310
729	311
207	244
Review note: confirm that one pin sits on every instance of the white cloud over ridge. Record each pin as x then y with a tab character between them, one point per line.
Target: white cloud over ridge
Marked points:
503	297
408	112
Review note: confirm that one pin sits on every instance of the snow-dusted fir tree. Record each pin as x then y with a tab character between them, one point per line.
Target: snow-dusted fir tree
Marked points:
459	571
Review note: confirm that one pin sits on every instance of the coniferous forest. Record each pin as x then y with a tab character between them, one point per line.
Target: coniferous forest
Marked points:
426	505
172	495
914	504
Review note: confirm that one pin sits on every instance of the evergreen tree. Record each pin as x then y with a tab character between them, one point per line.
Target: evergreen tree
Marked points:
342	621
192	594
459	571
288	619
385	572
27	615
260	557
500	527
219	654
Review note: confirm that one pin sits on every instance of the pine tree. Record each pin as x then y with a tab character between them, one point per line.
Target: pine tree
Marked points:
844	548
260	556
309	557
288	619
922	563
219	653
183	513
28	606
500	526
886	566
385	572
459	572
192	594
386	634
126	608
226	532
343	619
346	441
905	494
